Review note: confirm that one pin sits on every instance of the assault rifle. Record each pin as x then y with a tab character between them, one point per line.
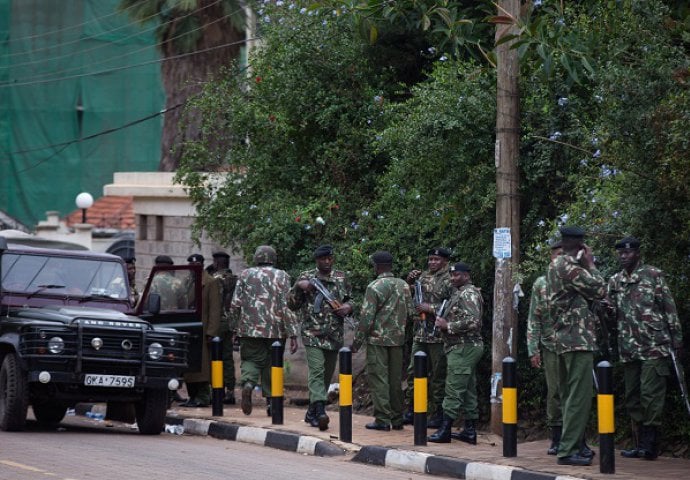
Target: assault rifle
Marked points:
419	297
324	294
440	312
680	375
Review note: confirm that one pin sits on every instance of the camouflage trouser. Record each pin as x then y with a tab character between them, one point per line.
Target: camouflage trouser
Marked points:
461	393
321	365
554	417
645	390
384	370
255	366
575	378
436	365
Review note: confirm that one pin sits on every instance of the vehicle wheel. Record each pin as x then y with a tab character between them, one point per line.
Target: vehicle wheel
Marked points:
13	395
49	414
151	411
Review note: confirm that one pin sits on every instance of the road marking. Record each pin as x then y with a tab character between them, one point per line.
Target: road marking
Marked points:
29	468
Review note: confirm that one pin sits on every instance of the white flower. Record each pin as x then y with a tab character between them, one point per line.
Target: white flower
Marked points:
555	136
596	154
443	58
320	221
365	213
563	101
303	10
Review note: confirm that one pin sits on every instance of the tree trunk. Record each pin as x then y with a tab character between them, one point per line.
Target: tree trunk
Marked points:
507	204
184	77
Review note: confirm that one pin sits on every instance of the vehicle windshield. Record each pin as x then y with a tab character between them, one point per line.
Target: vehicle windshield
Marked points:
42	274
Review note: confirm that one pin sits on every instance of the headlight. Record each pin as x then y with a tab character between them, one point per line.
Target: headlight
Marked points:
155	351
56	345
96	343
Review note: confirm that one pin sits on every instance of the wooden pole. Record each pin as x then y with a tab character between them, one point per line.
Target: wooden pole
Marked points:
504	340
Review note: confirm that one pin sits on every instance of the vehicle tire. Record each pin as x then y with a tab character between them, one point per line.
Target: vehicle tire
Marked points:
151	411
49	414
13	395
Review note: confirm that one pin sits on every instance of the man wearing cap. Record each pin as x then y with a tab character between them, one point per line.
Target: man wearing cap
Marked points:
572	283
260	309
198	385
541	350
167	286
227	281
322	327
648	331
436	287
461	331
386	309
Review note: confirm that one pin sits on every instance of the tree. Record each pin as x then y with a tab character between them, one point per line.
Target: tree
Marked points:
196	39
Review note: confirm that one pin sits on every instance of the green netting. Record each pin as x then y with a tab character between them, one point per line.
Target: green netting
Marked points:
67	71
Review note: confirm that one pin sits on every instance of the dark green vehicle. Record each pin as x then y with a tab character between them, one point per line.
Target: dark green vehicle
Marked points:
69	334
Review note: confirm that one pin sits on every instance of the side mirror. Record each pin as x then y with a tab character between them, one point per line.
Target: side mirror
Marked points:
154	304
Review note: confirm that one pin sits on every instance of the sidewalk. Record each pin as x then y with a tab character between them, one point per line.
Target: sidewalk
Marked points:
396	448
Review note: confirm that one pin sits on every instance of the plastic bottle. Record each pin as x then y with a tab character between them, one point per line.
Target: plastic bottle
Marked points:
174	429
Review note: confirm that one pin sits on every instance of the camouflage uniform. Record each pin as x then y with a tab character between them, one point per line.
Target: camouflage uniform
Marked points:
571	288
198	382
322	332
170	290
227	282
540	334
648	328
261	317
464	348
436	287
385	310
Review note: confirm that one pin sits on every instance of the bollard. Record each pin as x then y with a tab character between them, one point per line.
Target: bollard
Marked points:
217	387
509	407
277	383
606	418
421	380
345	401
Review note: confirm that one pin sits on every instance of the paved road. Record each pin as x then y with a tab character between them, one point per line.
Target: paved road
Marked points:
83	449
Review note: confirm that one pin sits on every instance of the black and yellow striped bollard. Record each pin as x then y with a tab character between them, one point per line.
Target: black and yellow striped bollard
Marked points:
421	380
277	383
606	418
509	407
345	400
217	387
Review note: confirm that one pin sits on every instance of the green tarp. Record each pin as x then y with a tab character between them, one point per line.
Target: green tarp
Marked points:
70	69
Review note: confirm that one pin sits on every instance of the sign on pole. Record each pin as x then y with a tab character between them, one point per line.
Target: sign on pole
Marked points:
502	244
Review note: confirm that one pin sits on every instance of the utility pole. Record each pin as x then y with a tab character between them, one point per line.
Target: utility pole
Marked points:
504	340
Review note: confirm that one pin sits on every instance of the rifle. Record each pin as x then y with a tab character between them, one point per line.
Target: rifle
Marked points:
324	294
419	297
680	375
439	313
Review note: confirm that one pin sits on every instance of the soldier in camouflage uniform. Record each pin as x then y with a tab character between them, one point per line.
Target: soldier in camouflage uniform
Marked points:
386	308
436	287
197	383
322	328
131	263
227	281
648	328
260	309
572	283
168	287
462	339
541	350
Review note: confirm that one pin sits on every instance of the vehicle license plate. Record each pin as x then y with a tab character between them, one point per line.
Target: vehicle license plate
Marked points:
121	381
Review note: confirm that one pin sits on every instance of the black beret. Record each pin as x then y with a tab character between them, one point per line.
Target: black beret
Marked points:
628	242
163	260
382	258
196	257
460	267
131	259
440	252
556	244
323	251
573	232
220	253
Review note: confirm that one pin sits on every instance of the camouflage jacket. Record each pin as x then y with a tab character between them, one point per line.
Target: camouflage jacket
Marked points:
322	329
386	308
539	325
571	288
260	304
436	287
647	321
170	290
464	316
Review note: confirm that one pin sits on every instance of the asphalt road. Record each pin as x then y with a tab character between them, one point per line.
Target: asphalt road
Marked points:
84	449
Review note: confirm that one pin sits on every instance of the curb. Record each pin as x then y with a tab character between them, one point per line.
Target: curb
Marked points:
447	466
290	442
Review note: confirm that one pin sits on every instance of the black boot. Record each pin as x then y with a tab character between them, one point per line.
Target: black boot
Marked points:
408	416
468	434
435	419
555	439
309	416
634	452
321	416
648	442
442	435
